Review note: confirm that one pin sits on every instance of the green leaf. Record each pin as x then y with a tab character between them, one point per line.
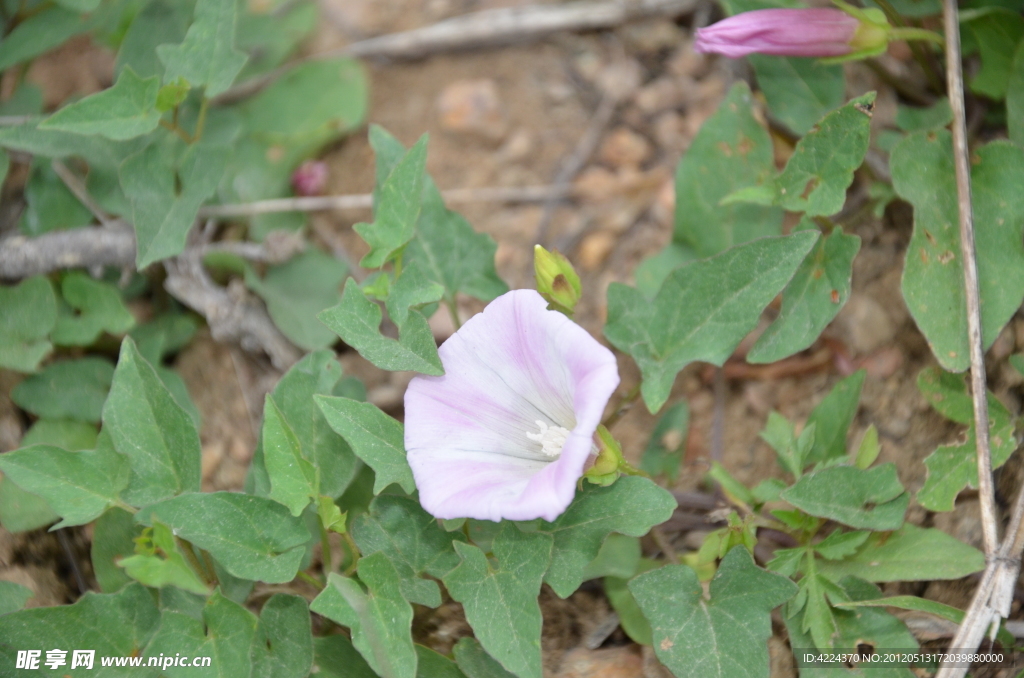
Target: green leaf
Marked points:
922	170
28	311
1015	97
157	23
13	596
397	208
317	373
501	601
148	426
379	617
872	499
998	32
297	291
271	36
914	603
97	308
630	506
224	632
99	151
936	116
632	619
910	554
474	662
725	635
283	645
207	56
736	150
869	448
252	537
814	599
357	321
653	270
799	90
447	248
124	111
164	335
839	544
792	450
952	468
412	289
166	189
70	389
413	542
821	168
113	537
832	418
375	437
40	33
78	486
811	300
112	624
664	451
293	480
335	657
734	287
50	205
159	562
618	557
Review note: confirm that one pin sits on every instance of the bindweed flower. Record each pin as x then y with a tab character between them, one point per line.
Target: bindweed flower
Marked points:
310	178
821	32
509	428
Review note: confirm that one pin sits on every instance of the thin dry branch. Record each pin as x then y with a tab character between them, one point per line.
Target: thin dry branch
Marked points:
77	188
112	245
488	28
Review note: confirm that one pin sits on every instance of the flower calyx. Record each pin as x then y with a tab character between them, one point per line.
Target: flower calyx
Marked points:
610	462
557	281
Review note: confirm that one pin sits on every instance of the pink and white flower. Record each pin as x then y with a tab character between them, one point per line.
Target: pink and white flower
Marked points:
815	32
509	428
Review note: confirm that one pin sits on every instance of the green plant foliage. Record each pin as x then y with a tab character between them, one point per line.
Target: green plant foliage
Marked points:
871	499
112	624
933	279
733	148
821	168
734	287
40	33
997	32
159	22
124	111
474	662
725	635
631	617
379	617
799	90
832	418
283	645
618	557
811	300
936	116
161	211
501	600
910	554
113	536
335	657
95	307
665	449
398	208
413	542
159	561
223	630
296	291
28	312
78	486
356	320
1015	97
252	537
13	596
952	468
70	389
375	438
271	35
412	290
293	480
49	205
630	506
148	427
207	56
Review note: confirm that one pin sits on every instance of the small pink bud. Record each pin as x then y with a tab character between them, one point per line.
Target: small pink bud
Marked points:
310	178
784	32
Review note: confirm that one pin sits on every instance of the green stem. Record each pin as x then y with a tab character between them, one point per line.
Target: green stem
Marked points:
312	581
209	564
121	505
325	546
354	550
182	134
622	408
911	33
896	19
453	310
201	122
398	266
190	556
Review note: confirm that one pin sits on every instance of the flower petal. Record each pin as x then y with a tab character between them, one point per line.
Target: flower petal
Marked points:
505	369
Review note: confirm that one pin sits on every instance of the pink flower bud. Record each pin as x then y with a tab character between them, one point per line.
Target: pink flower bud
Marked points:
784	32
310	178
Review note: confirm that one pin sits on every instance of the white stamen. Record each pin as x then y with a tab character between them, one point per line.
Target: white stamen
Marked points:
551	438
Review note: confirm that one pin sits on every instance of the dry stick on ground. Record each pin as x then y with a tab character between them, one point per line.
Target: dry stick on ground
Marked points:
994	594
488	28
77	188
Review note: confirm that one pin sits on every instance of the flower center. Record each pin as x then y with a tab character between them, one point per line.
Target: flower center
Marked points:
551	438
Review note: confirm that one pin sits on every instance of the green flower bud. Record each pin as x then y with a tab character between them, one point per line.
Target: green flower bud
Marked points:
557	282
